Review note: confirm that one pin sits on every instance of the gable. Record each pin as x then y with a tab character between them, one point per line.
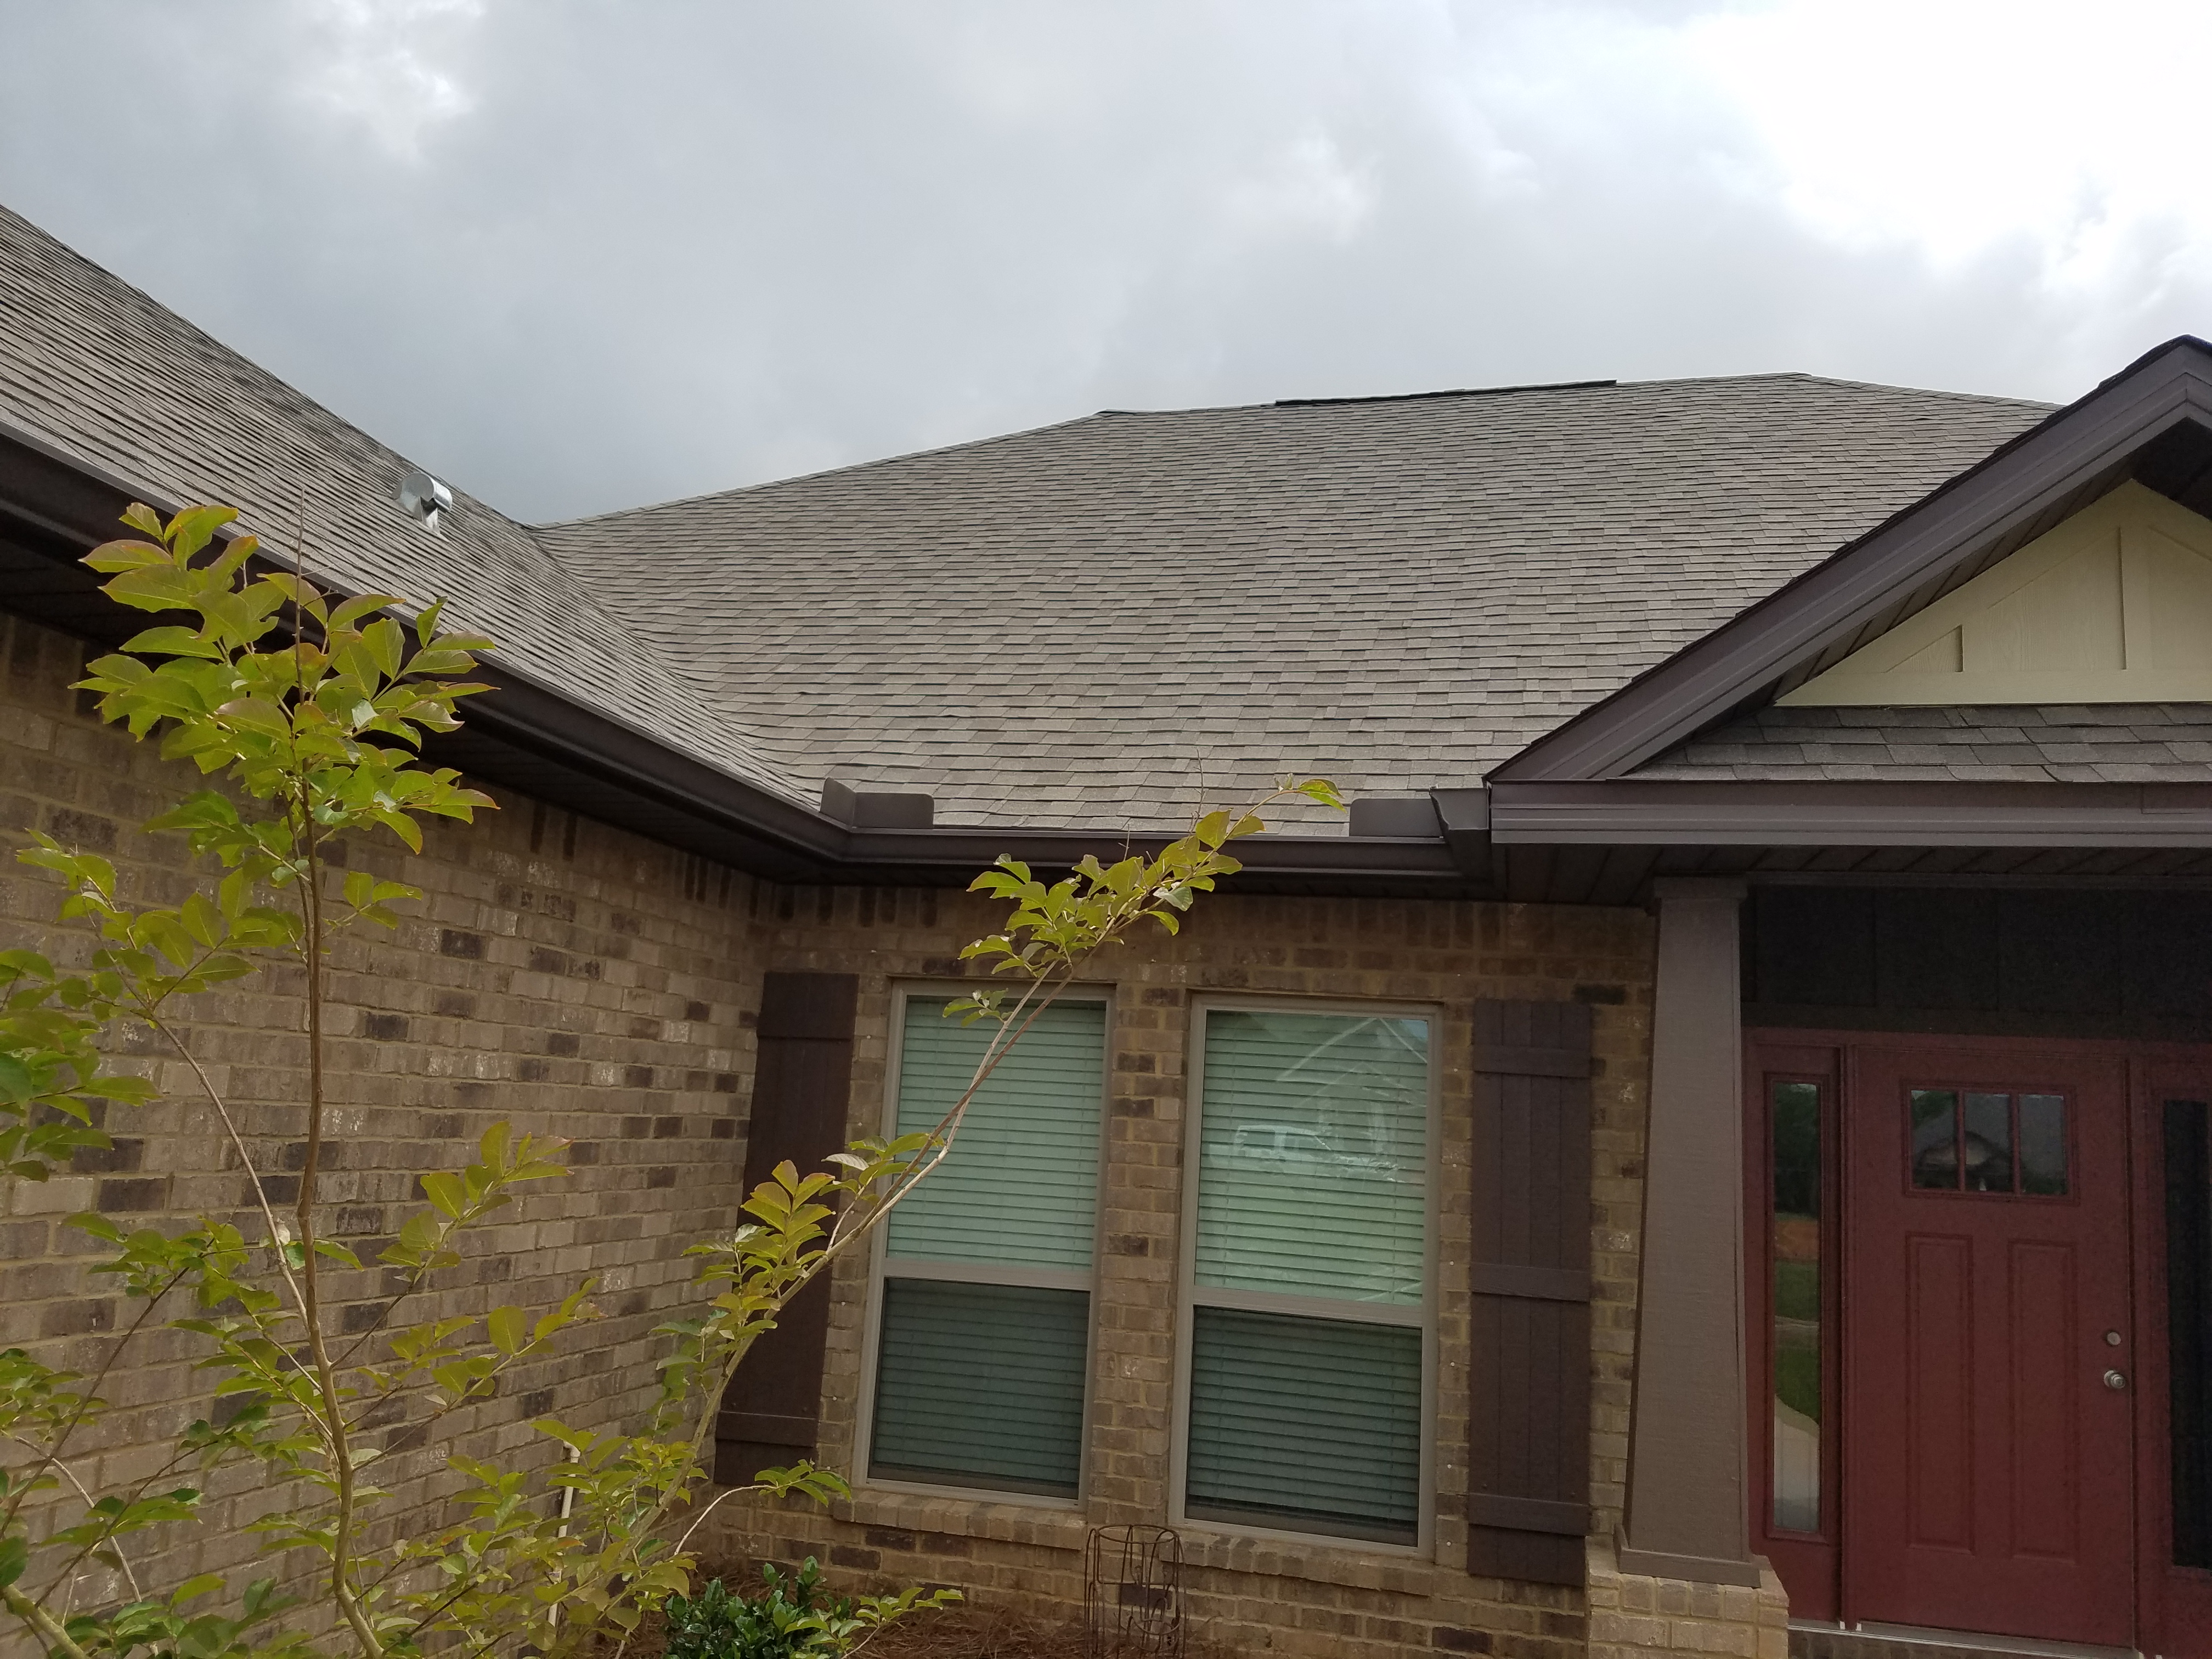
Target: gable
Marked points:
2113	605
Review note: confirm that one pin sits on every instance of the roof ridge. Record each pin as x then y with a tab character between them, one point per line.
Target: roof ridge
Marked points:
620	512
739	492
1845	380
1452	392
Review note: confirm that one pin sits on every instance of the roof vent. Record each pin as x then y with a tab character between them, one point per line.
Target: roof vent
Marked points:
421	496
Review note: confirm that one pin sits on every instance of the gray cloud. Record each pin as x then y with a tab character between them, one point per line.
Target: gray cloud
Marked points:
578	257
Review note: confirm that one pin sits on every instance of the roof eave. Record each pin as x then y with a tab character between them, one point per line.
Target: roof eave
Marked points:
551	745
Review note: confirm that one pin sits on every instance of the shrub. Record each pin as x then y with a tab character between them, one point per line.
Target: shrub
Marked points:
788	1621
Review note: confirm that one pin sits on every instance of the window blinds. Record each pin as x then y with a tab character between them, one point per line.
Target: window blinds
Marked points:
1310	1273
1308	1420
984	1333
1020	1188
980	1384
1313	1156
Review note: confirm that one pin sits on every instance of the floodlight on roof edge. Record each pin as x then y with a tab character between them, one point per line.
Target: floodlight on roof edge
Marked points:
423	497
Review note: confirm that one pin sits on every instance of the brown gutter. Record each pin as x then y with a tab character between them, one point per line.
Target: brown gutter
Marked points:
543	742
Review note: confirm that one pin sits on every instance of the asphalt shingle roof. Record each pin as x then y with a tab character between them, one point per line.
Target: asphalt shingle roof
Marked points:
2103	743
93	365
1091	623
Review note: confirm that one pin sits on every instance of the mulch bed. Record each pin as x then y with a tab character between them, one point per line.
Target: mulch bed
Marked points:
976	1633
962	1633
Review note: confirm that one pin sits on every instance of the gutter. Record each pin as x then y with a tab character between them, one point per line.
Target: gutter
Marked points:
544	742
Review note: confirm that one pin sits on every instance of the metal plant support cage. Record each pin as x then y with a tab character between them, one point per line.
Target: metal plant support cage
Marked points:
1133	1593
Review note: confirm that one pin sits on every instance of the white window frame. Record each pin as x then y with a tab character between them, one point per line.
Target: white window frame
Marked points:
1190	1295
882	1265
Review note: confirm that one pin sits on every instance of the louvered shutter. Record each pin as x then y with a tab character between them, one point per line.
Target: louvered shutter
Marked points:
1527	1505
802	1087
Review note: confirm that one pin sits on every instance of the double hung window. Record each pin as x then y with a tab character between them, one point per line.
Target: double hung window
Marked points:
983	1318
1308	1283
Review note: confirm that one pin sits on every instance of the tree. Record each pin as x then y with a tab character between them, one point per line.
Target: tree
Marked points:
311	712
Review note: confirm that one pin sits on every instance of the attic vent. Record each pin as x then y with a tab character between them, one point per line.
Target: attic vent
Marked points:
421	496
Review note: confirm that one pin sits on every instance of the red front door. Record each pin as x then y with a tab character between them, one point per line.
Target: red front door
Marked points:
1987	1348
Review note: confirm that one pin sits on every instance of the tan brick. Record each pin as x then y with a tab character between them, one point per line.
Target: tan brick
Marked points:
584	982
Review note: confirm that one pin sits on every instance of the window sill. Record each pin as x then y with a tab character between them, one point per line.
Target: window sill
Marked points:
1323	1556
964	1512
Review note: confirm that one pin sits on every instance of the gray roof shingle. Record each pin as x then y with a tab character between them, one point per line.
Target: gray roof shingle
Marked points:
96	367
2116	743
1092	623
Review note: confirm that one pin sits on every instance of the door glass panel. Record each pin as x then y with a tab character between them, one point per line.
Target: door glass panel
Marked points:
1794	1137
1935	1138
2043	1144
1987	1164
1999	1143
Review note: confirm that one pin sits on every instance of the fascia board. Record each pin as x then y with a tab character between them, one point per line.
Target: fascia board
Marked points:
1317	858
1673	700
1740	814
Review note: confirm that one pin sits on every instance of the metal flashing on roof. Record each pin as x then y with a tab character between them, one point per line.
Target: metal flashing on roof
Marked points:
1452	392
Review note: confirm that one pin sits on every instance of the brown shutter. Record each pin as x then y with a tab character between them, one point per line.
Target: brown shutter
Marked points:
1528	1504
802	1087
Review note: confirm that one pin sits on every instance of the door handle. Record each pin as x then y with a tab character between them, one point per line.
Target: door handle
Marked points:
2115	1380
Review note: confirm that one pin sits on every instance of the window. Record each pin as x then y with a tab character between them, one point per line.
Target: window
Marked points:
1978	1141
1793	1149
983	1322
1308	1278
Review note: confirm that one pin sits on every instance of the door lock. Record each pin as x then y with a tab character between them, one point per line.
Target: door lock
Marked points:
2115	1380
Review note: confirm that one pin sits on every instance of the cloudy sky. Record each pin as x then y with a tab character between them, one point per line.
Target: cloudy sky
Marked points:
576	257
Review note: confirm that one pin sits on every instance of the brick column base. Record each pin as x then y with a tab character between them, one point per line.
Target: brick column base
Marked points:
1632	1616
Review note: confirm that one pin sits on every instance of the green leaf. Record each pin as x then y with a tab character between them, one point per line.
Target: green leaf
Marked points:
14	1556
172	640
194	527
443	1190
508	1328
202	920
17	1086
256	715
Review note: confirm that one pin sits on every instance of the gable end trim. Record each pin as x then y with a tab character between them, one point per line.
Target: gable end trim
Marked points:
2070	452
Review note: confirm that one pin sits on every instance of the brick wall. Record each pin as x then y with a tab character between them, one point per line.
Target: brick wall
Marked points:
558	974
1632	1616
584	982
1249	1594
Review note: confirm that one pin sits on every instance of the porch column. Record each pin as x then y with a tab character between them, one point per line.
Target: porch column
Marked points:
1687	1515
